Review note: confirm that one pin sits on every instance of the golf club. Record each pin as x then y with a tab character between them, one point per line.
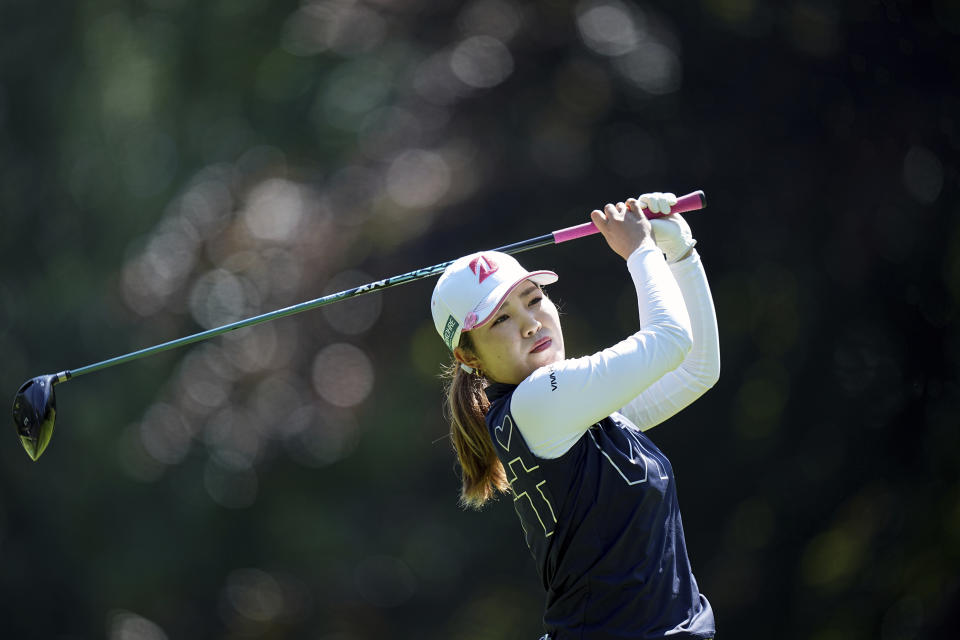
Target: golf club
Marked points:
34	406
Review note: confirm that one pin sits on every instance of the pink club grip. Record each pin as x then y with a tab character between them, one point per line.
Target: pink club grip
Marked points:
689	202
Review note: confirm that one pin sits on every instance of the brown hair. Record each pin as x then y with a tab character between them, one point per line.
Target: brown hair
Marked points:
481	472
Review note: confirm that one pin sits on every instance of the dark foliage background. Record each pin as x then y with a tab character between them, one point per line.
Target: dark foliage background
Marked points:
167	166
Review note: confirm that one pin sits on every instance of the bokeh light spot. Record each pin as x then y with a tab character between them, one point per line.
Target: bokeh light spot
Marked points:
831	558
208	201
203	387
418	178
274	209
219	297
342	375
481	62
128	74
254	594
126	625
165	433
253	349
608	27
654	68
342	26
161	267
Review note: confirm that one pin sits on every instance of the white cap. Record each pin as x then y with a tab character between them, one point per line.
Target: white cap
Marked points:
473	287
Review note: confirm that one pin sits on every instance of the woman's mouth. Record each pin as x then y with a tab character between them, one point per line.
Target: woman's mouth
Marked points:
542	343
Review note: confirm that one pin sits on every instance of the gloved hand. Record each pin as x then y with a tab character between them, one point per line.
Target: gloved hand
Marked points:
671	233
658	202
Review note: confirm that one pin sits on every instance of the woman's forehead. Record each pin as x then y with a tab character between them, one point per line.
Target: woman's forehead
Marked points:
522	292
518	295
526	289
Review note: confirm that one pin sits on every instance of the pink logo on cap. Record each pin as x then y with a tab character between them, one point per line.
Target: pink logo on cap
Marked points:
470	321
483	267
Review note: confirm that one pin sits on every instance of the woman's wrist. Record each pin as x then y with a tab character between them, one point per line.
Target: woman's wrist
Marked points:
647	244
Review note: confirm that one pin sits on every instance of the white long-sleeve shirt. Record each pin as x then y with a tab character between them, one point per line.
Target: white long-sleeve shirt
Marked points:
651	375
596	498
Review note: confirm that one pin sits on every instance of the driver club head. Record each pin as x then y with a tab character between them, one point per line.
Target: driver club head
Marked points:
34	412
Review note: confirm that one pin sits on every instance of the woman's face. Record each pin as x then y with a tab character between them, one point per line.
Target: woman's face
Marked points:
523	336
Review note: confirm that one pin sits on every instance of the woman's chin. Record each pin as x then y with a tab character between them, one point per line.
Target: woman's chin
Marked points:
548	356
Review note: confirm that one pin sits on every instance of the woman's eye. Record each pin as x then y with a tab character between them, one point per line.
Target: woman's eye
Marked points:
499	319
536	301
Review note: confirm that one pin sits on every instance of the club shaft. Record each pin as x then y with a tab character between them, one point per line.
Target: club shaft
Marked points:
688	202
379	285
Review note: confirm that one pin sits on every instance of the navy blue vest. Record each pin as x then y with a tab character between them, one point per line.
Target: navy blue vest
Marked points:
603	525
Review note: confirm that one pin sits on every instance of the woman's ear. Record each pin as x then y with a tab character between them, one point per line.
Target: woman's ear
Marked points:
466	357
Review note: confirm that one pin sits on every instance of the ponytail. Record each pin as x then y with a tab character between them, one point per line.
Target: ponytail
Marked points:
481	472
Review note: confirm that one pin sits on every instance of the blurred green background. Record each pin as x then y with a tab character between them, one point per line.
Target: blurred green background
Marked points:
168	166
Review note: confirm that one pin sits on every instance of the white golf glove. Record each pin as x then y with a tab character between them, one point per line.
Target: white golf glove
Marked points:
658	202
671	233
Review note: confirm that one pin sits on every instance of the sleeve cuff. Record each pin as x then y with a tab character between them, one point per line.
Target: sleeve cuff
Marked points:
646	248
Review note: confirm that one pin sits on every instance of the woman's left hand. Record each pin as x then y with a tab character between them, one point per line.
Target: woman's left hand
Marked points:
657	202
671	232
673	237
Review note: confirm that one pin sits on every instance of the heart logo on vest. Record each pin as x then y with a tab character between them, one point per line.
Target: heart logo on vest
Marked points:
498	433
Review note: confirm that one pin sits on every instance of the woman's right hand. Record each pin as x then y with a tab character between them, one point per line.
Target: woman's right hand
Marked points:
624	226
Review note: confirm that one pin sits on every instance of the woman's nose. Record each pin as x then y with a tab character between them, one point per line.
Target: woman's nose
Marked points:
531	325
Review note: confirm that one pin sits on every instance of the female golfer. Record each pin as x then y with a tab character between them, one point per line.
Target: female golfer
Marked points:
596	498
